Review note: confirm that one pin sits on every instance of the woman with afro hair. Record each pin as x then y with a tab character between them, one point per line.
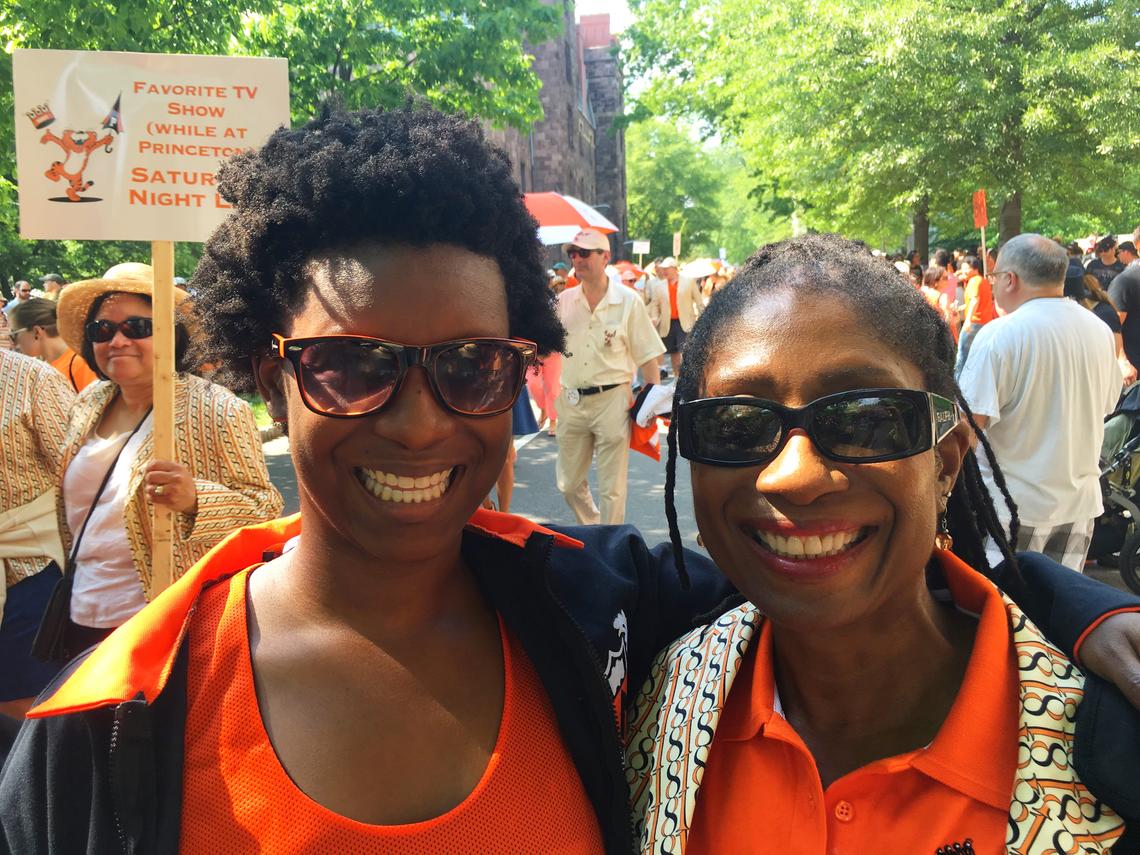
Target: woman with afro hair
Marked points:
394	669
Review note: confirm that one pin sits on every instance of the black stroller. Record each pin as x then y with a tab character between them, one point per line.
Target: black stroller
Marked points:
1117	530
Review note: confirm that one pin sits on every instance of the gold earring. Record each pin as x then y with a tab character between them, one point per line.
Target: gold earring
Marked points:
942	540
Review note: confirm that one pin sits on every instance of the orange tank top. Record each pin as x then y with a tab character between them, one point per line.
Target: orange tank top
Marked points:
237	798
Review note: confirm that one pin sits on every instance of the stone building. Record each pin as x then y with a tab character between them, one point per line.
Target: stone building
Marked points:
575	149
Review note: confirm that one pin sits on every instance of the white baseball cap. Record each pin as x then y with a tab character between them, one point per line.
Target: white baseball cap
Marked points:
589	239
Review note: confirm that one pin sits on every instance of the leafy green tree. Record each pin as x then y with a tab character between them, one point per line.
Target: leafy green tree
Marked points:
702	189
461	55
673	187
866	114
750	216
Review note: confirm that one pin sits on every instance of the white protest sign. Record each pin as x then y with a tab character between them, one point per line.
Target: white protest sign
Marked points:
641	247
125	146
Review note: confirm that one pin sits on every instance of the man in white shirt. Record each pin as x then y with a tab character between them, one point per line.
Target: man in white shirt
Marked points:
608	337
1040	381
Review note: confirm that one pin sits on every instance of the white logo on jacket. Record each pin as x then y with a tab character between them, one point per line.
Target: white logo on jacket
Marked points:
615	659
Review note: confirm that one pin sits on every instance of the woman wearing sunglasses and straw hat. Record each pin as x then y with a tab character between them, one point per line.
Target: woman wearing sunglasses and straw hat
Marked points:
394	669
876	693
109	483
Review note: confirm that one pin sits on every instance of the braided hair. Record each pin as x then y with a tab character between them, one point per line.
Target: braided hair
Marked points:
886	302
411	176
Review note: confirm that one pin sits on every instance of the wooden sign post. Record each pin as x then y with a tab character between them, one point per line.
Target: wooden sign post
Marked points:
125	146
162	525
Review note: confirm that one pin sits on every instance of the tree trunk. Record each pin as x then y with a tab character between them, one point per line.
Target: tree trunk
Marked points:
1010	222
921	225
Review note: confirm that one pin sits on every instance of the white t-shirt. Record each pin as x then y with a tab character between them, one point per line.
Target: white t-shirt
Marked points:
107	589
1045	376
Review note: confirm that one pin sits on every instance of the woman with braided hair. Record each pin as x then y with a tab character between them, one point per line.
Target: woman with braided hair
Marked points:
877	692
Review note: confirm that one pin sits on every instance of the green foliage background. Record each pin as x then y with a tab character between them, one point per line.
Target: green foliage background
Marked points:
856	114
701	188
464	55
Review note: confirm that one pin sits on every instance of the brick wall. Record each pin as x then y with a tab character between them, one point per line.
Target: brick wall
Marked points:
573	149
603	72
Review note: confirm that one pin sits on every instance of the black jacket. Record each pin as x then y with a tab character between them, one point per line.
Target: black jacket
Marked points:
109	779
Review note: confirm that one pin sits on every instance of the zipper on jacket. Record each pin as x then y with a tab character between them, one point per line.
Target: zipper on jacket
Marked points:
600	688
111	773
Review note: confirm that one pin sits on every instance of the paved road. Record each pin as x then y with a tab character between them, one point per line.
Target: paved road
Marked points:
537	498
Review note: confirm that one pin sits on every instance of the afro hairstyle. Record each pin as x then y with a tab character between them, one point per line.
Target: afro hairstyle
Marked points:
411	175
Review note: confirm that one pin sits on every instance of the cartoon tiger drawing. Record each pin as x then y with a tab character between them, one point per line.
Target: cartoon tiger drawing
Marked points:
78	152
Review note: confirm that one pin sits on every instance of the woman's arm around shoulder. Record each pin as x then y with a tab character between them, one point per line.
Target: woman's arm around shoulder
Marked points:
1094	624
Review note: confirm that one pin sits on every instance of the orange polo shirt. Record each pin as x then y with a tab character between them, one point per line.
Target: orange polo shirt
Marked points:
674	312
761	791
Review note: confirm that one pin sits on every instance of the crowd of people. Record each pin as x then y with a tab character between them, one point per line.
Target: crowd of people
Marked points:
399	669
81	479
1041	357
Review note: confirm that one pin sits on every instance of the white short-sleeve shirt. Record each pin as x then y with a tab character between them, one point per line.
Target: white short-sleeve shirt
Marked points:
1045	376
605	345
107	589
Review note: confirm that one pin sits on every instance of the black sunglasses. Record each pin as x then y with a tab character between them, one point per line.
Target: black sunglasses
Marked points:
578	252
860	426
99	332
348	376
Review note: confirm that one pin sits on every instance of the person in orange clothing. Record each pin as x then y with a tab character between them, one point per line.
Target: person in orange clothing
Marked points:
877	692
979	309
35	333
393	676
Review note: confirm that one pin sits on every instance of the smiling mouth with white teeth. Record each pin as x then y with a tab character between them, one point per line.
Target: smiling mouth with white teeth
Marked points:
406	489
813	546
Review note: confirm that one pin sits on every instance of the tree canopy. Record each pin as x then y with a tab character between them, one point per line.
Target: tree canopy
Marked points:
862	114
460	55
702	189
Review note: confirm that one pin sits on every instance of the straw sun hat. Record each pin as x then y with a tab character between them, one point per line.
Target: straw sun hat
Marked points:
75	300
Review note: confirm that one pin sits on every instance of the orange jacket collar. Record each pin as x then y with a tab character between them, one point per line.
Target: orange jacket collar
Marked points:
139	656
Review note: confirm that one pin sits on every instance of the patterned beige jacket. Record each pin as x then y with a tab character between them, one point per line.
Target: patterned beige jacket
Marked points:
669	746
216	437
35	402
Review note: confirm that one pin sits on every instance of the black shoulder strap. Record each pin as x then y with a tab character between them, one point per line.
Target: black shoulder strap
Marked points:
70	568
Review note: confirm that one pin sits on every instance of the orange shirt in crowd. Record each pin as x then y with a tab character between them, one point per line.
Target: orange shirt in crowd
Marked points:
237	797
75	368
980	301
674	312
762	793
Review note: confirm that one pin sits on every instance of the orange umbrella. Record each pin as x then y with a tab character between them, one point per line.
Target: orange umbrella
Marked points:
561	217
